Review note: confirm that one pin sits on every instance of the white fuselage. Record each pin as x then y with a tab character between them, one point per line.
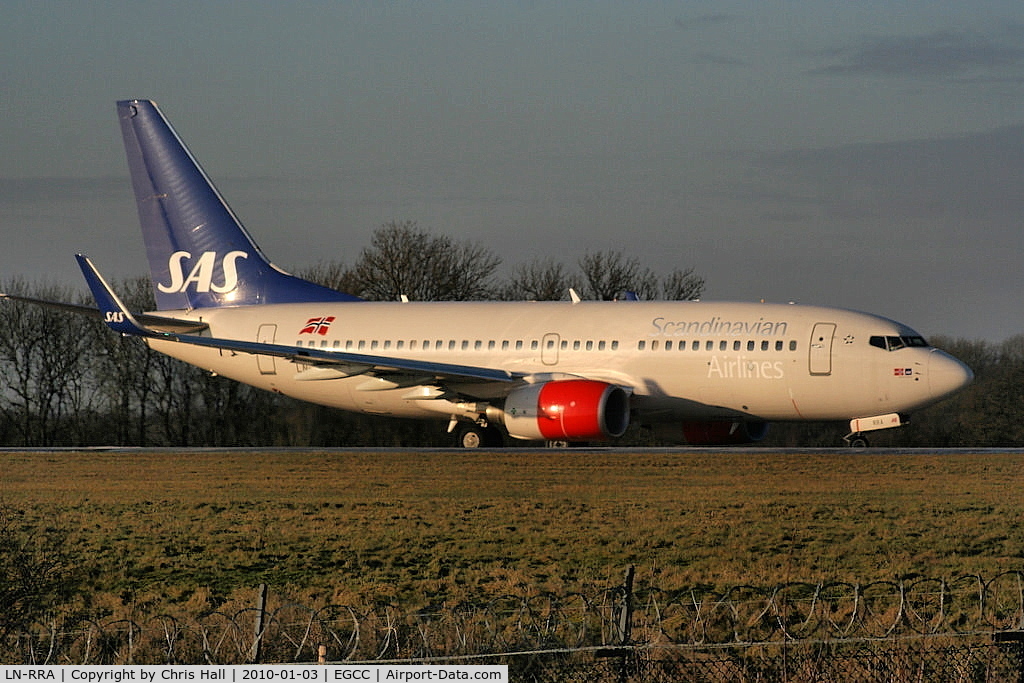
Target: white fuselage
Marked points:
681	360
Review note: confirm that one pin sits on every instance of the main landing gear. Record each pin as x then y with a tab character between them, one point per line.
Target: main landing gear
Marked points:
472	435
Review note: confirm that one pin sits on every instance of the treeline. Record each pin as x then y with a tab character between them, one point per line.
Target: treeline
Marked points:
68	381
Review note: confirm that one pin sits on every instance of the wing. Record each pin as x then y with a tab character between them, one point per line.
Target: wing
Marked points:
324	363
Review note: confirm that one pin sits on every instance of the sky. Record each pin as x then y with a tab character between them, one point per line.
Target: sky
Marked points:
866	155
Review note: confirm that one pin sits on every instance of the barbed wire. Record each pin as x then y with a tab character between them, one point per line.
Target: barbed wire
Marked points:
825	612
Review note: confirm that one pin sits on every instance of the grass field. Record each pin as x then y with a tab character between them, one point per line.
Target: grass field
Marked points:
417	528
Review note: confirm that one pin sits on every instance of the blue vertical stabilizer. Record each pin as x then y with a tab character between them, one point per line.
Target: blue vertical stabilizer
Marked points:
200	256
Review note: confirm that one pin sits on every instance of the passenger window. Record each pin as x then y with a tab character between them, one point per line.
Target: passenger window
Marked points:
764	344
750	345
723	345
792	345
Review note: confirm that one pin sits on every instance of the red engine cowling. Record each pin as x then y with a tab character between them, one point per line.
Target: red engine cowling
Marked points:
575	409
712	433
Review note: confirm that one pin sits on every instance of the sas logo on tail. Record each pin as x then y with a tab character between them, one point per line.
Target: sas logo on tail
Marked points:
201	274
317	325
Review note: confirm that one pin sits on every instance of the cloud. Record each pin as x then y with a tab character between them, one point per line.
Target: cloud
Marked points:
703	21
714	59
942	53
33	190
976	176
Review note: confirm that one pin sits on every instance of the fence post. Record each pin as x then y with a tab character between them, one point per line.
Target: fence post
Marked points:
625	625
261	610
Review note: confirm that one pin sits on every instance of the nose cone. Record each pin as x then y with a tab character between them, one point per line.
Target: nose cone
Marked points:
946	375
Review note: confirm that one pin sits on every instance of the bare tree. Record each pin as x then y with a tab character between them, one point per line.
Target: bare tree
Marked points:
46	357
682	285
609	275
539	280
333	274
404	259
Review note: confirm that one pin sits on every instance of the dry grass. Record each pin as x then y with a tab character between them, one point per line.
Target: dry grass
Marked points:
421	528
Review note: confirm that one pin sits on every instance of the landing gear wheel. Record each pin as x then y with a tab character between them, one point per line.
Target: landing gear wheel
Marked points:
475	436
857	441
471	437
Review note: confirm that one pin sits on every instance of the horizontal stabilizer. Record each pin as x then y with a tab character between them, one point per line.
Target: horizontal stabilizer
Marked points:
158	323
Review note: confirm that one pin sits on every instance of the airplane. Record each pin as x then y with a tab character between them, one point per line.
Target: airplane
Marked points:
696	372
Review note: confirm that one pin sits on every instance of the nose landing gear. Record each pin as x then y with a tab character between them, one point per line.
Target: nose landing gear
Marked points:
856	440
858	426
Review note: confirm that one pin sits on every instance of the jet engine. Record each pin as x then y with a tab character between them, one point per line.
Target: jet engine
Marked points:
574	409
712	432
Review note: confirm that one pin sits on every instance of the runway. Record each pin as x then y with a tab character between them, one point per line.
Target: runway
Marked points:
529	450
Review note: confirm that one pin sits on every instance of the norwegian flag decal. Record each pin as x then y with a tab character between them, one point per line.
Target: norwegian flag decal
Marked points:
317	325
903	372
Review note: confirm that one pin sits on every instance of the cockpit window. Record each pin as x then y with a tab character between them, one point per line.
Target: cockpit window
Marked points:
897	343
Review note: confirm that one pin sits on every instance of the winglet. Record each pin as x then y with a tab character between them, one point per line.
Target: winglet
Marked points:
115	313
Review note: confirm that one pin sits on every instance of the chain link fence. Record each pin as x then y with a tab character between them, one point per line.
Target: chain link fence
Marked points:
964	628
